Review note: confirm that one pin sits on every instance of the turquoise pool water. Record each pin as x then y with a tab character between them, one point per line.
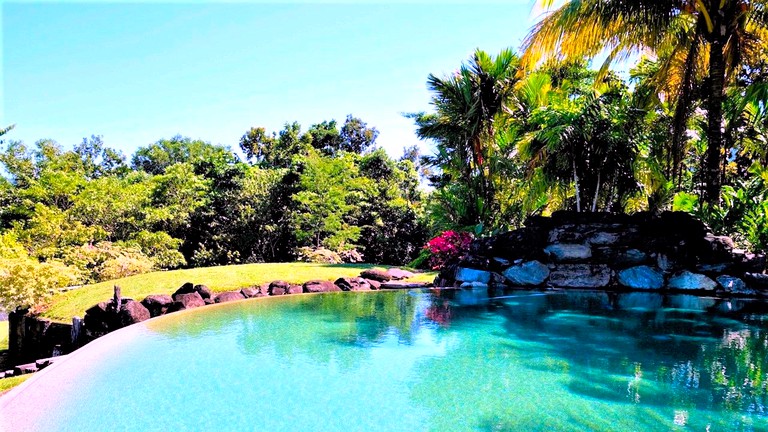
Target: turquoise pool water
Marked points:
417	361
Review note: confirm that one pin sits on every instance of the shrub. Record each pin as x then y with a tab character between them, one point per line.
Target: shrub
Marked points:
317	255
448	246
160	247
25	282
124	266
104	260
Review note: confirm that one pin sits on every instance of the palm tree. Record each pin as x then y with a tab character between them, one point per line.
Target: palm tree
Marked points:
469	108
585	140
699	37
4	131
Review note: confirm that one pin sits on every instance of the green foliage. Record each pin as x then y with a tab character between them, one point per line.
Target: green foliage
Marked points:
106	260
329	189
743	212
318	255
159	247
26	282
10	248
155	158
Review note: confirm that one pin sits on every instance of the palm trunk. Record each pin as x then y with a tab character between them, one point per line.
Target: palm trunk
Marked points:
680	118
597	193
576	181
712	183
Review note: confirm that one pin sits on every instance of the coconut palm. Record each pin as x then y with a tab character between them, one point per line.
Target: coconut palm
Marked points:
697	38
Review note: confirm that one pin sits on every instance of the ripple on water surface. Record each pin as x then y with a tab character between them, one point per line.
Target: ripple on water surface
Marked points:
415	360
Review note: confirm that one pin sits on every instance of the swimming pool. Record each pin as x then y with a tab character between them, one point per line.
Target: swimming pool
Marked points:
451	360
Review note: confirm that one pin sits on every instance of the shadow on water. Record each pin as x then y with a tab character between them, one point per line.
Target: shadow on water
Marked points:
641	348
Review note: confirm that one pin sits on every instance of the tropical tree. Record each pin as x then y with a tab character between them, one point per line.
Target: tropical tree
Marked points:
471	106
586	140
697	39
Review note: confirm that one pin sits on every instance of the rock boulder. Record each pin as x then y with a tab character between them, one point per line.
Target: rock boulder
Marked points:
564	252
531	273
228	296
315	286
686	280
580	276
157	304
353	284
641	277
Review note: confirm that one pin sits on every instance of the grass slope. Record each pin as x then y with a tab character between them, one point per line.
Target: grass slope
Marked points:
6	384
64	306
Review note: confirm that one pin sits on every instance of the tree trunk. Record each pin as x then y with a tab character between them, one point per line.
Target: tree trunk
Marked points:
576	181
597	193
712	182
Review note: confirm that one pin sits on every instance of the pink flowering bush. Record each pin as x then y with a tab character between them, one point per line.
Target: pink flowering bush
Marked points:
448	246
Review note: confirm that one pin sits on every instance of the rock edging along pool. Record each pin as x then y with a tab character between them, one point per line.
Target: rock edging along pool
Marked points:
449	360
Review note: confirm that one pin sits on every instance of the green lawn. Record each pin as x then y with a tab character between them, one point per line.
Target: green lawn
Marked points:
74	303
9	383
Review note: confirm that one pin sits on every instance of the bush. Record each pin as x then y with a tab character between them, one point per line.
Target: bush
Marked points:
160	247
318	255
448	246
105	260
124	266
24	282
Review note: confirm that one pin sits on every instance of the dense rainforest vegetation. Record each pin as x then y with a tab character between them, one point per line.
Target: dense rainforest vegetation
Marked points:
512	135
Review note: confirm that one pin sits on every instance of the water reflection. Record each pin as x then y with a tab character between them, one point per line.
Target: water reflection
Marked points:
677	361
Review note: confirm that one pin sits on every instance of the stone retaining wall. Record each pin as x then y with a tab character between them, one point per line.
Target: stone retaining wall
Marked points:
672	252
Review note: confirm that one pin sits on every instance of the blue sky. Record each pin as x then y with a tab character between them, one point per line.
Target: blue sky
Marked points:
136	73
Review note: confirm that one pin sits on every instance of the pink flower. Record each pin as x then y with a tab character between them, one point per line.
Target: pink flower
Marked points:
448	246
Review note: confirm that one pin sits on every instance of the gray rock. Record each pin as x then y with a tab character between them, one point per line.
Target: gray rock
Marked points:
228	296
631	257
735	285
186	301
314	286
568	252
531	273
580	276
663	262
603	238
25	369
132	312
353	284
464	274
157	304
376	274
501	261
374	284
713	268
295	289
189	287
399	274
278	288
686	280
641	277
249	292
204	291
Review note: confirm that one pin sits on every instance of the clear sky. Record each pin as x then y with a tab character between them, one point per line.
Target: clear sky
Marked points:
138	72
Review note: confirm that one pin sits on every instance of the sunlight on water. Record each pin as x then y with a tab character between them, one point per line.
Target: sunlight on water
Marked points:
412	361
